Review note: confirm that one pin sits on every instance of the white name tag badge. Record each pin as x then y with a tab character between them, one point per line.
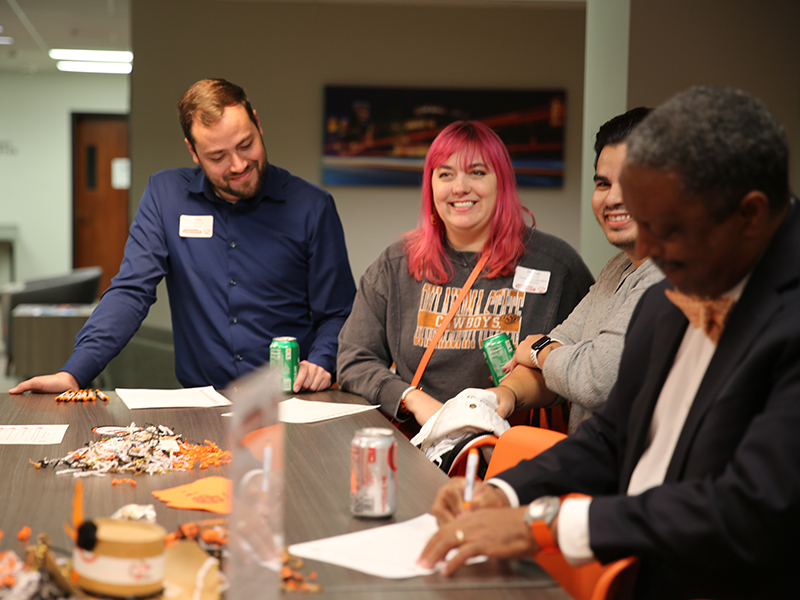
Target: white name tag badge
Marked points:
531	280
196	226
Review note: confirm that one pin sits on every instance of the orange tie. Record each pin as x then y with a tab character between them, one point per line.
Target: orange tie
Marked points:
708	315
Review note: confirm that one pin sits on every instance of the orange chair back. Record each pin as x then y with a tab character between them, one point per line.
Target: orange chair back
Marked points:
589	582
518	443
593	581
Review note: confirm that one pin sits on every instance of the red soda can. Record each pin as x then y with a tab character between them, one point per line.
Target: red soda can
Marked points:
373	473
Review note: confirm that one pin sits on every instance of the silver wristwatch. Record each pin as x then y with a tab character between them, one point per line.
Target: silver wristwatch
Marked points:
544	509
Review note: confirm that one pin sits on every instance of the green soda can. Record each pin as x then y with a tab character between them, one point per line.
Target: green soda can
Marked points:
284	354
498	350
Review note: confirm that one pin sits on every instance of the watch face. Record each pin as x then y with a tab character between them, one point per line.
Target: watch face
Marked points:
536	511
540	343
543	509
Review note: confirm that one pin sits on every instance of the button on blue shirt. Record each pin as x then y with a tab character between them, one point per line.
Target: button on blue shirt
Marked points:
274	265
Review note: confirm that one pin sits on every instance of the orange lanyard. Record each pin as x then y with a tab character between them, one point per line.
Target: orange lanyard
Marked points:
449	317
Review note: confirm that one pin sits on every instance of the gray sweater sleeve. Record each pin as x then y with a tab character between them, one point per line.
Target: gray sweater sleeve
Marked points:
585	369
364	359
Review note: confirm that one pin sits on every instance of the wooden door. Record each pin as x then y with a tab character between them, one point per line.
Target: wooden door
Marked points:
101	178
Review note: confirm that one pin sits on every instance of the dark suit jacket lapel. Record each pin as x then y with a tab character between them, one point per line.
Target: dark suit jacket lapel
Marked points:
758	303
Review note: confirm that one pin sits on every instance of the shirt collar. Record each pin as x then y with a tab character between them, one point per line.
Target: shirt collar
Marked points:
272	189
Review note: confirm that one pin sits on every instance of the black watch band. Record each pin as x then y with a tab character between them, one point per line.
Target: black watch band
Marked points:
537	346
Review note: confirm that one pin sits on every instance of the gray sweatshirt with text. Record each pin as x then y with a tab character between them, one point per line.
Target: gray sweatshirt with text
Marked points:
394	317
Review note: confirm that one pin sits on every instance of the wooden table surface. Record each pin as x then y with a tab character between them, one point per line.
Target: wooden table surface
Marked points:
317	465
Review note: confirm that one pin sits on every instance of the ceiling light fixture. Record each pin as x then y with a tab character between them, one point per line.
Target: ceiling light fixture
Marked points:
6	40
110	56
94	67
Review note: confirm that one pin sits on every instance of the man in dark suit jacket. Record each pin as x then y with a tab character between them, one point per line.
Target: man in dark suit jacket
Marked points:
693	465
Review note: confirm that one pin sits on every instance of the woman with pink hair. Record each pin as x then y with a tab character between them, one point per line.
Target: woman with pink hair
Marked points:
530	282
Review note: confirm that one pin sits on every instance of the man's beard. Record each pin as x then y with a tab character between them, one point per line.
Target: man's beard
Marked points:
253	186
627	245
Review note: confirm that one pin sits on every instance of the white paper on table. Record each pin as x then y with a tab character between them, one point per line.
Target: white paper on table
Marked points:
32	434
296	410
202	397
390	551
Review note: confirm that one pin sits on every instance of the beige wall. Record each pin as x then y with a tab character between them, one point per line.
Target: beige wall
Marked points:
284	54
751	45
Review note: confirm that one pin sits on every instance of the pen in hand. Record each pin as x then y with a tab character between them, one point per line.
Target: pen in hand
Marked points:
472	471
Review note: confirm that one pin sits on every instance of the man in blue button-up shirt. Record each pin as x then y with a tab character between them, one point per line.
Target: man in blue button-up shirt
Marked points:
249	252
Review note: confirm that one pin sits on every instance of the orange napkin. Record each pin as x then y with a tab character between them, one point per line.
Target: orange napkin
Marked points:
256	440
210	493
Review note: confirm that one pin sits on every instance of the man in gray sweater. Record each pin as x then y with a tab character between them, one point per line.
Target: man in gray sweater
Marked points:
579	359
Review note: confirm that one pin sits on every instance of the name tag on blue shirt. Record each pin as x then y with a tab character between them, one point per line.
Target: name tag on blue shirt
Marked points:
196	226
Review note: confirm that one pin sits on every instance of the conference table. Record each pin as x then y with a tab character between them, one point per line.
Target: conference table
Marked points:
316	492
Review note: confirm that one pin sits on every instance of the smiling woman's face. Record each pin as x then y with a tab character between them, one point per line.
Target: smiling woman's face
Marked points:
465	196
